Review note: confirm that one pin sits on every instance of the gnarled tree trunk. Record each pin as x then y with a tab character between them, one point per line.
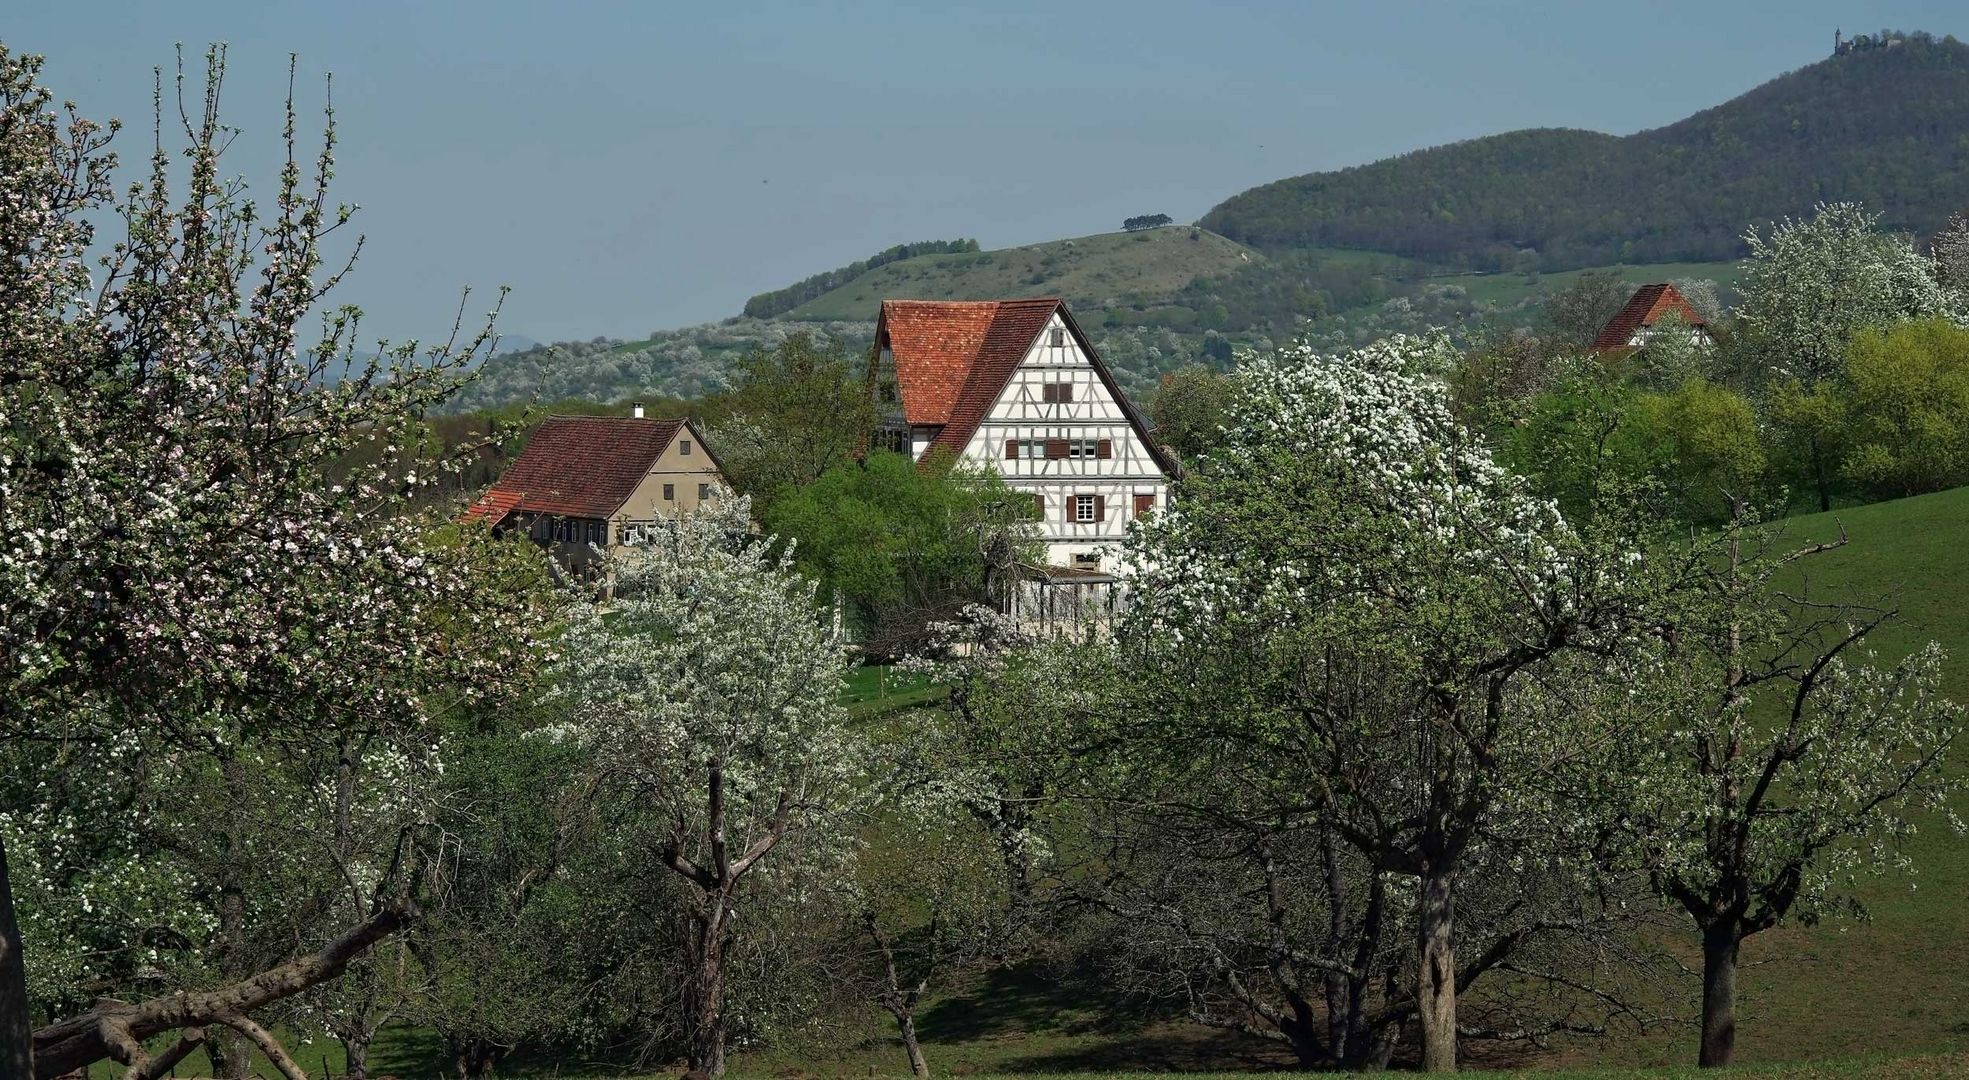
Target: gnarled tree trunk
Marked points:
1435	977
1719	993
707	993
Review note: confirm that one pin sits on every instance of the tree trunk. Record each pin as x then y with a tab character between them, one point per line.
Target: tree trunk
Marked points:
906	1025
476	1058
707	1004
1435	977
355	1054
228	1050
16	1033
1719	993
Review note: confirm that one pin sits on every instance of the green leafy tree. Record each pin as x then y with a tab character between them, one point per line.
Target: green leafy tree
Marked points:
1188	409
798	409
902	546
1705	448
1907	408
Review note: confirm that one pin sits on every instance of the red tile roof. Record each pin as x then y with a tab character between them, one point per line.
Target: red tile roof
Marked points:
953	358
493	506
578	466
1647	306
935	344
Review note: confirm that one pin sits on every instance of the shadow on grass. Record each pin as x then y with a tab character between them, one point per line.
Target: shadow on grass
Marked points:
1070	1025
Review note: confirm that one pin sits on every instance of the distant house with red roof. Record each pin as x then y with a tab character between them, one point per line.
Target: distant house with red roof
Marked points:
1636	323
1015	386
583	483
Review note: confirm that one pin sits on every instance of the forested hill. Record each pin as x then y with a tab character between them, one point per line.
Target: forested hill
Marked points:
1886	124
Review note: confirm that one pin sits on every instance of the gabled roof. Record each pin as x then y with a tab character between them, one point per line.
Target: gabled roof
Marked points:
578	466
1648	305
954	357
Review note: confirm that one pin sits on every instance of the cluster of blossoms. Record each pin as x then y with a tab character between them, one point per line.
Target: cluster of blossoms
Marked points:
1351	455
712	649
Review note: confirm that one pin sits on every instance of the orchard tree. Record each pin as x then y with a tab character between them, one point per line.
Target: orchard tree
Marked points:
196	584
708	693
1786	759
1810	285
1389	615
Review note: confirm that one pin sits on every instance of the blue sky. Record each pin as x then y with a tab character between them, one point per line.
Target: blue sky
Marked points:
633	166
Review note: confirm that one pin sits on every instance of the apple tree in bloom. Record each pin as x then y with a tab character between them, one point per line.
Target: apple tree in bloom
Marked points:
226	621
1386	654
707	692
1784	760
1810	284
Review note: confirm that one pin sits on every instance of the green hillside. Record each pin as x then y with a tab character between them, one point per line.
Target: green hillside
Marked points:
1887	124
1107	270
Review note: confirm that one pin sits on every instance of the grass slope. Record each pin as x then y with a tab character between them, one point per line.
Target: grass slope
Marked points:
1101	271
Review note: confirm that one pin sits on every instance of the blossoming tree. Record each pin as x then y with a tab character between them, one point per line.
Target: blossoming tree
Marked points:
211	569
1351	590
1783	760
708	691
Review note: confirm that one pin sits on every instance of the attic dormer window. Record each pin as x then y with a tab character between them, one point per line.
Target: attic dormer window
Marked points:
1059	339
684	447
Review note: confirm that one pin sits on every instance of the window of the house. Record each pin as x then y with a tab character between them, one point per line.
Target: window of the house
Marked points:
1083	449
669	493
1087	559
684	447
1031	449
1144	505
1083	508
1057	392
1059	339
703	492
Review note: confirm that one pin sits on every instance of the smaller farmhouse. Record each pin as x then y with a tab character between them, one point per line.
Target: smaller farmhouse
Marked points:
1650	306
584	484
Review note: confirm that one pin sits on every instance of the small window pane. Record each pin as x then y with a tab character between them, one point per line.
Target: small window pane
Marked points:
703	492
684	447
669	493
1059	338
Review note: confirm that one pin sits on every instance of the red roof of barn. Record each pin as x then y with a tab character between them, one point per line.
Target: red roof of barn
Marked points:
1646	307
578	466
953	358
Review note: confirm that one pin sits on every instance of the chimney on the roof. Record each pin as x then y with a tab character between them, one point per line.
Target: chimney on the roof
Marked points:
636	410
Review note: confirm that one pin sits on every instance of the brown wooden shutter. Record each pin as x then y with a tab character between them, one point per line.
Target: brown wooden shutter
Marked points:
1104	448
1144	505
1039	505
1011	448
1056	449
1066	391
1100	508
